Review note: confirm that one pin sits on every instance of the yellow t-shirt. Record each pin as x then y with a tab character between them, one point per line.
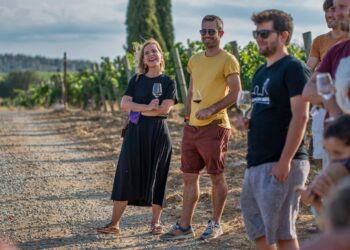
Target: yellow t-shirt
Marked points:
209	76
322	43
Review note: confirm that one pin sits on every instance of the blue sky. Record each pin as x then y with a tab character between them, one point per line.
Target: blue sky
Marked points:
89	29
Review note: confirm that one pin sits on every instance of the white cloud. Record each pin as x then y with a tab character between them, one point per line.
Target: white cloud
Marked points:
94	28
256	4
20	14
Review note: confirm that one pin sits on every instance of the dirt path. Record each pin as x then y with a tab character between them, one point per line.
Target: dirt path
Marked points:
56	173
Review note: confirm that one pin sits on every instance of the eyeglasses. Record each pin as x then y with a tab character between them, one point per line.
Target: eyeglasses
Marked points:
210	32
262	33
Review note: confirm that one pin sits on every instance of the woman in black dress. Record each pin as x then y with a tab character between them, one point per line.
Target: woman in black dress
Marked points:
144	159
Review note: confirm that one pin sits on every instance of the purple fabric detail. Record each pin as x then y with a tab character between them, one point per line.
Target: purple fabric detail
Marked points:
134	116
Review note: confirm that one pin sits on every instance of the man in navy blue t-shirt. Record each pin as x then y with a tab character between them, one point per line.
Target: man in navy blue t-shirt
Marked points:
277	158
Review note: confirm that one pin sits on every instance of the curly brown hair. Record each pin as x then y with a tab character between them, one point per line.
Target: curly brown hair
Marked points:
281	20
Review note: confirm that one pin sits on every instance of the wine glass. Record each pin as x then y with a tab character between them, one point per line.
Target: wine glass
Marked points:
157	89
244	101
324	85
197	97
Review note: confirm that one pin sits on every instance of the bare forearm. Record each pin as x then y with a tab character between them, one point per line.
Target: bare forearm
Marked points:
227	101
133	106
234	84
310	94
154	113
163	109
312	63
295	135
332	107
310	91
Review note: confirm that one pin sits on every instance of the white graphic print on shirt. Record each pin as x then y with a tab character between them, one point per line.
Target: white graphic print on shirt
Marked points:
261	95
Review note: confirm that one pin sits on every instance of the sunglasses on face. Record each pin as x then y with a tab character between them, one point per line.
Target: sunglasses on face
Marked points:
262	33
210	32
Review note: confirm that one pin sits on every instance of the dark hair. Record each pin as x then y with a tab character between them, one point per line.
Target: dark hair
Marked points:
216	19
327	4
340	129
280	19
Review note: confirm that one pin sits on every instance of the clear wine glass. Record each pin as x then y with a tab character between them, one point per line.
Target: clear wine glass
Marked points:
324	85
244	101
197	97
157	89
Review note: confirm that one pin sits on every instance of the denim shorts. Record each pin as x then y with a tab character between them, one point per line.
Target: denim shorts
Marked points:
270	208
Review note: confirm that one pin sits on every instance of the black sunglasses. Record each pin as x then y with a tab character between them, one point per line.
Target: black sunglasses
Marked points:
262	33
210	32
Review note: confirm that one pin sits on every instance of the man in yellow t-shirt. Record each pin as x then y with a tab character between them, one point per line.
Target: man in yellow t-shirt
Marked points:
209	80
214	86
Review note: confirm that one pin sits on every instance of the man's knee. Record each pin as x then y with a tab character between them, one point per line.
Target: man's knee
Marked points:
218	180
190	179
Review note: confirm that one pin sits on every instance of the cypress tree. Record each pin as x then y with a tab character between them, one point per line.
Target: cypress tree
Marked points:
142	23
163	13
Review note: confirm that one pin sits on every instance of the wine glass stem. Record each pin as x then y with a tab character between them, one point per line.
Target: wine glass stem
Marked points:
243	111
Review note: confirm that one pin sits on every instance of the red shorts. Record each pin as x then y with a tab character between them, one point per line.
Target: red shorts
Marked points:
204	146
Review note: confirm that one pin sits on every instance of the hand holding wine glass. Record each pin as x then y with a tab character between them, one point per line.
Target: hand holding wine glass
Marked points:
157	89
324	85
244	101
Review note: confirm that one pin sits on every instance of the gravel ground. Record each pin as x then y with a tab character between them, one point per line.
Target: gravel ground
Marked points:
56	173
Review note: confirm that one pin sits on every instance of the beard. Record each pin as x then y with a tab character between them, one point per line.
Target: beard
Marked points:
210	43
332	24
269	49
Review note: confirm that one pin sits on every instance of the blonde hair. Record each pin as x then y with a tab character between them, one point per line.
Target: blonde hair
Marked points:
142	68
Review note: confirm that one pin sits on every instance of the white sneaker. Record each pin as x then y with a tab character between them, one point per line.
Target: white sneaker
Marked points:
212	231
178	233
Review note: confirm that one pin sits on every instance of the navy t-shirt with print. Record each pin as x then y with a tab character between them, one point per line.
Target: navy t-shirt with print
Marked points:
272	88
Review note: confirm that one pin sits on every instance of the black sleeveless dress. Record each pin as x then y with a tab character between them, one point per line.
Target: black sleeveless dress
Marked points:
144	159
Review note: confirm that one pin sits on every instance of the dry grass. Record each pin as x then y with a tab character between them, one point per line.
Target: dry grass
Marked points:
105	129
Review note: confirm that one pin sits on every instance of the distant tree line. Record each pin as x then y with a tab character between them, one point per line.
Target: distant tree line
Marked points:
19	62
106	82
